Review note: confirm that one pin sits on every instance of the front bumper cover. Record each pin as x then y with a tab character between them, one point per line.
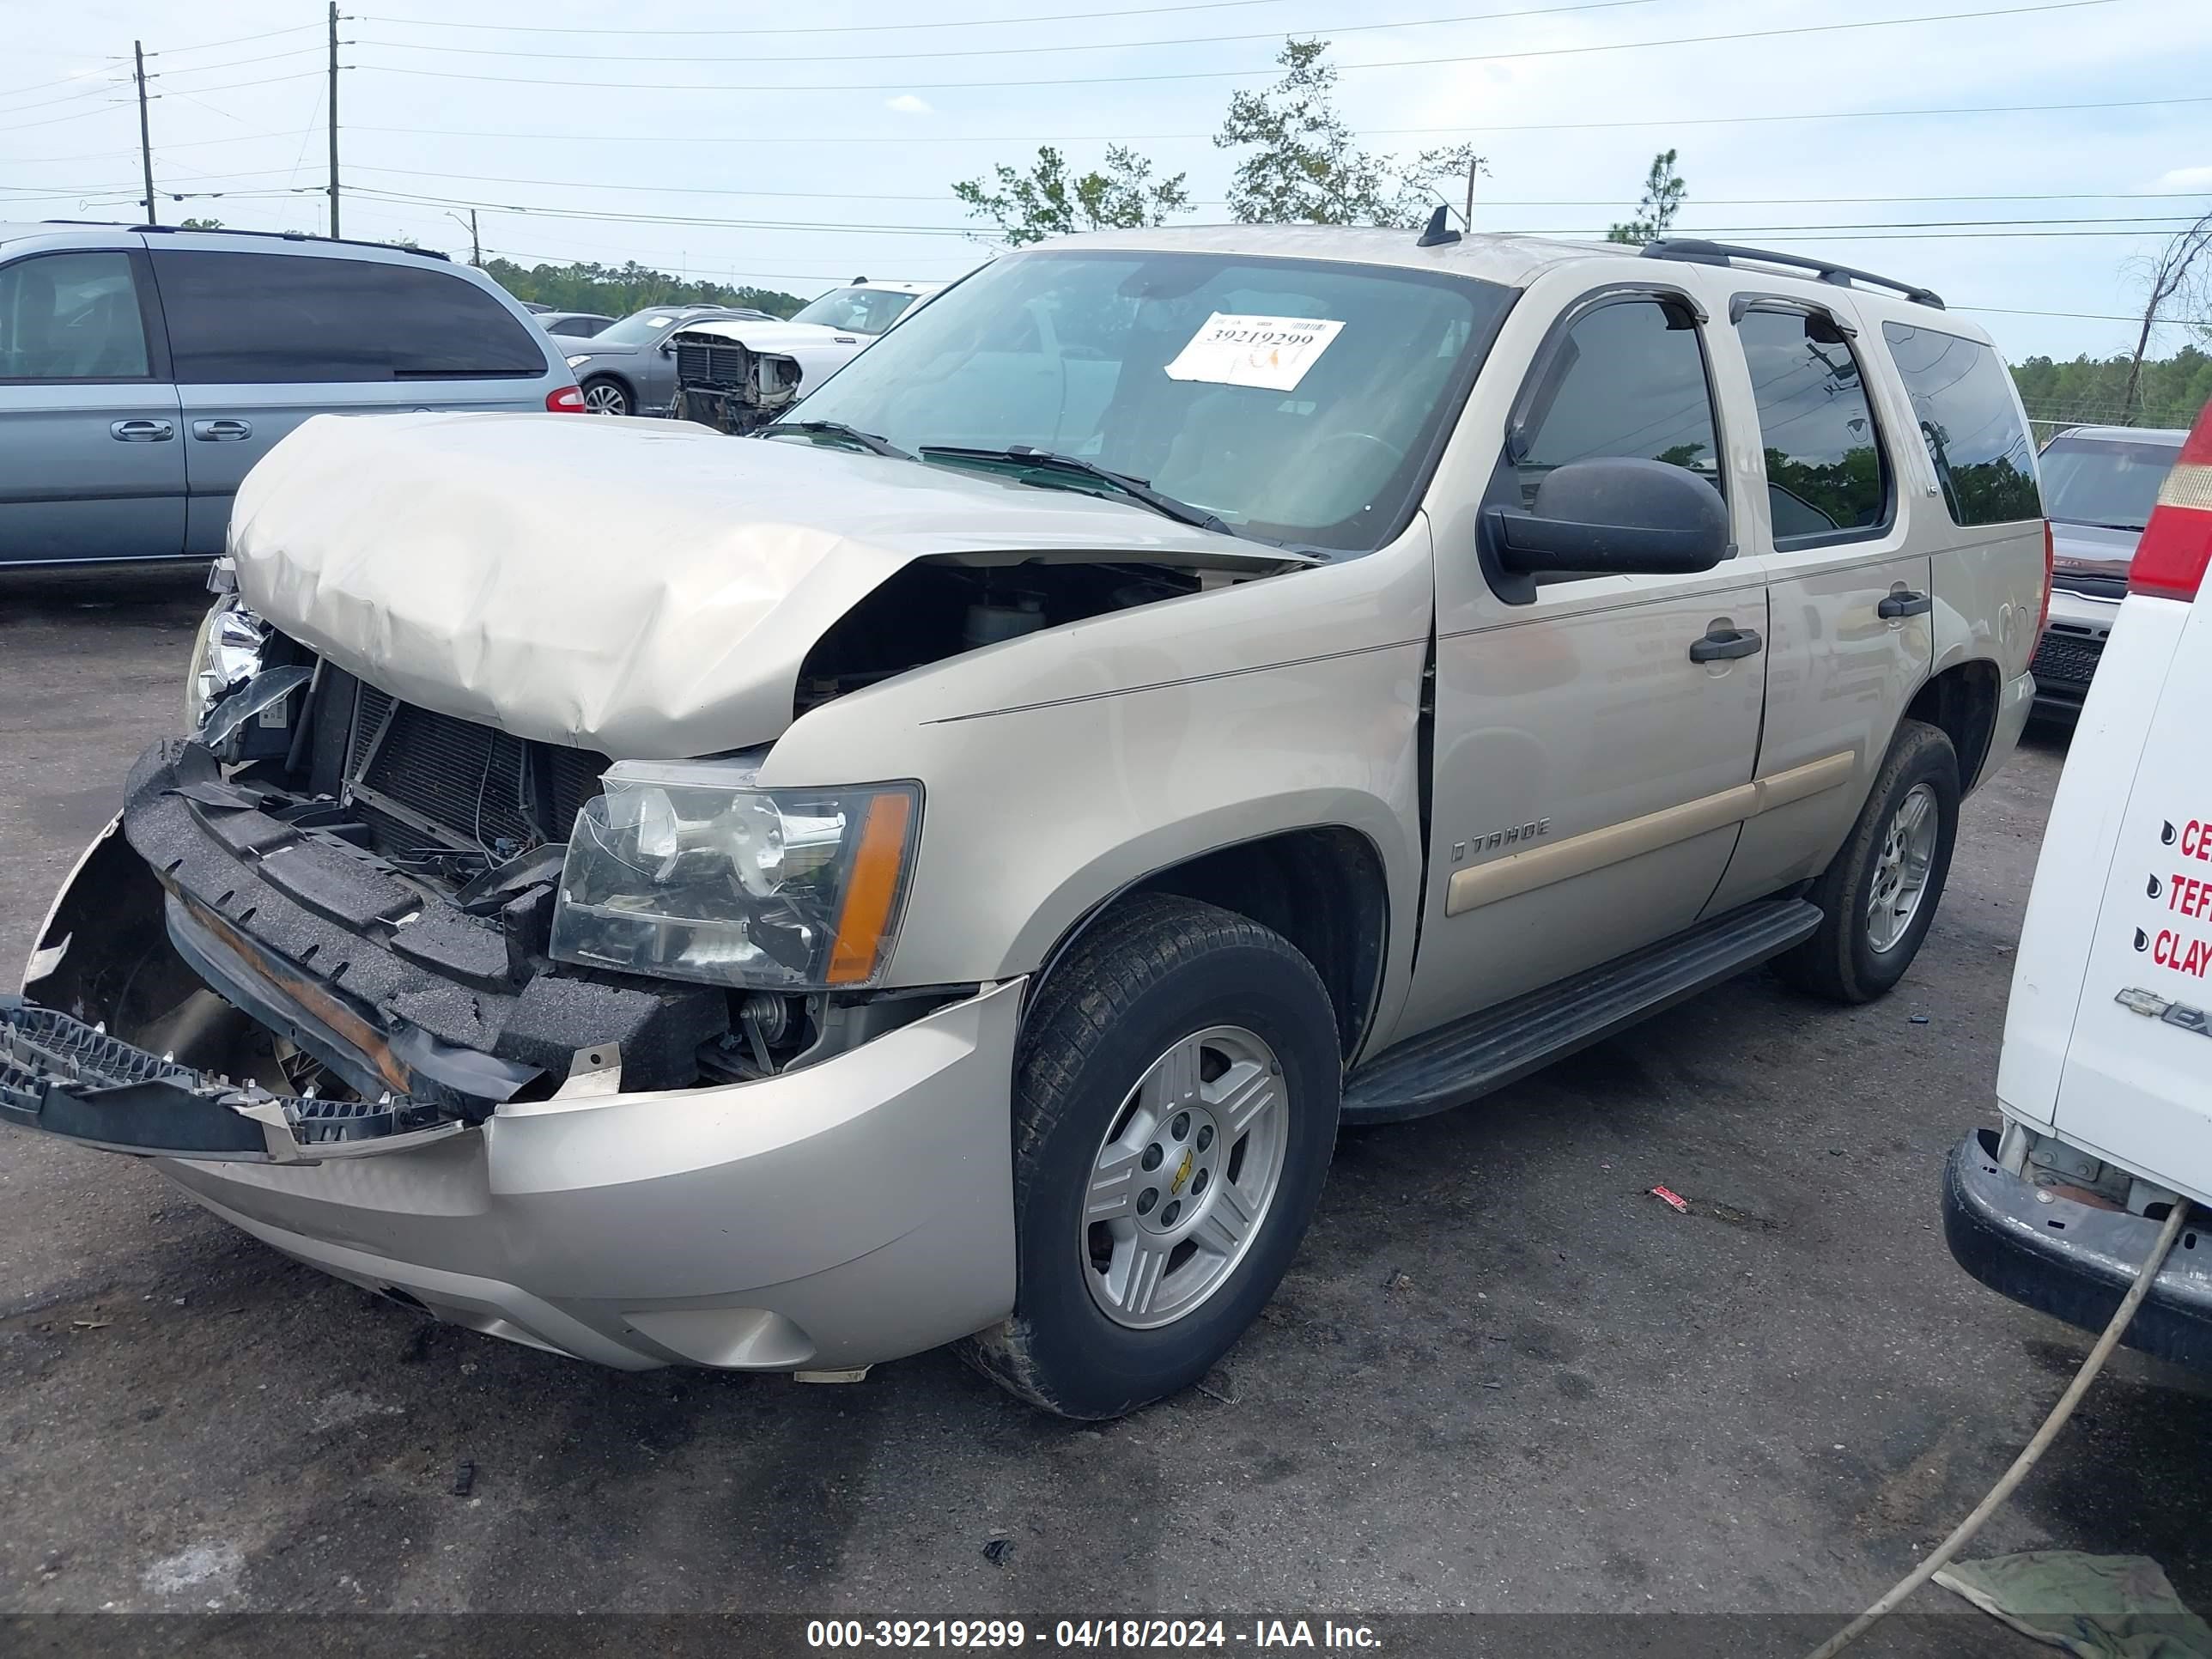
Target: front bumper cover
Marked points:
850	1212
2074	1260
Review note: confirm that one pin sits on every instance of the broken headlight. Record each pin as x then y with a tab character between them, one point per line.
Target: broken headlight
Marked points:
687	871
227	653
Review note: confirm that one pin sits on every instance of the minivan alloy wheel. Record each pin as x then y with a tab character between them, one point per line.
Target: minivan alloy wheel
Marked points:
1185	1177
1900	876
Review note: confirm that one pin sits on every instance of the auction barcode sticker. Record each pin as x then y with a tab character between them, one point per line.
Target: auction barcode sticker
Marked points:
1270	352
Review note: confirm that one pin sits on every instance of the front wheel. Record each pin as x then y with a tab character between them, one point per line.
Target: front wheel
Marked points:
1174	1108
1879	895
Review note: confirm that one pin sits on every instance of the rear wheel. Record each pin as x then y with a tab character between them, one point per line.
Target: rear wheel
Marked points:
1175	1107
1879	893
604	395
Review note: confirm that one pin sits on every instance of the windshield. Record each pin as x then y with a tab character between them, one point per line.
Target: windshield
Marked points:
639	328
1297	400
856	310
2096	481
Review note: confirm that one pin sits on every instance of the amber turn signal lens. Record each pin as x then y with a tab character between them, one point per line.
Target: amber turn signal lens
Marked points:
872	892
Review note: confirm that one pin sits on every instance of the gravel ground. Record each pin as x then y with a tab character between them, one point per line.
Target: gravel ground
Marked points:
1500	1378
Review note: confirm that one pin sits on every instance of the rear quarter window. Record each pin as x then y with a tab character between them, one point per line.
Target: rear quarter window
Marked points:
1962	398
291	319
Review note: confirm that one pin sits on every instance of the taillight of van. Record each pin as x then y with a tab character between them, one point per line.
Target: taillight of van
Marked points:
569	400
2176	544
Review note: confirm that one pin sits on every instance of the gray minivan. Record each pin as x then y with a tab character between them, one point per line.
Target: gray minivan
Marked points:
144	370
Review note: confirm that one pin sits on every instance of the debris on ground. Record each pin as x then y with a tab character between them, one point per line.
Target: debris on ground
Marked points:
90	1324
2094	1607
998	1550
1919	1019
1673	1200
464	1478
1398	1283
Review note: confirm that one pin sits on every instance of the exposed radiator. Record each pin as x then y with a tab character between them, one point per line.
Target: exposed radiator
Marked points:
480	786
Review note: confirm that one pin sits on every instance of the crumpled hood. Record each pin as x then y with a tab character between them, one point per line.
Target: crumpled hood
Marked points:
648	589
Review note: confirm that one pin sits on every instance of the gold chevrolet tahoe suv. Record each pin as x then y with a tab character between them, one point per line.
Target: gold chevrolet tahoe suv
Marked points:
944	868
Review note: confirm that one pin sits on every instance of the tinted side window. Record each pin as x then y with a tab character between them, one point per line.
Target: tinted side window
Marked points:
295	318
1962	397
1825	472
70	317
1627	378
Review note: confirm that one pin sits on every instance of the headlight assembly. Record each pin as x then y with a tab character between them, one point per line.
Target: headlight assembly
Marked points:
687	871
227	653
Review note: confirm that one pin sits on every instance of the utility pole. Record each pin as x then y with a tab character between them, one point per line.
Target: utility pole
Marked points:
334	118
476	247
1473	166
145	142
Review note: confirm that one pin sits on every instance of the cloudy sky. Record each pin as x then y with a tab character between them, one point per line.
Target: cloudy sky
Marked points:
797	146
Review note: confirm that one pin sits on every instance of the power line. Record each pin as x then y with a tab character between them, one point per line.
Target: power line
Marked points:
833	29
1331	30
813	138
1236	74
239	40
236	62
107	69
1950	226
67	97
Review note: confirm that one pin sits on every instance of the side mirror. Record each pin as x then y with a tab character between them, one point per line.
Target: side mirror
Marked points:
1614	515
668	347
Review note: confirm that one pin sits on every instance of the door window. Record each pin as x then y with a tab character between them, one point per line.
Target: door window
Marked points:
71	317
1627	378
1826	478
1970	423
246	319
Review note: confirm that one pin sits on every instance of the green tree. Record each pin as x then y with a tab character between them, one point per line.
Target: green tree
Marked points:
1663	190
1051	200
201	224
616	290
1301	165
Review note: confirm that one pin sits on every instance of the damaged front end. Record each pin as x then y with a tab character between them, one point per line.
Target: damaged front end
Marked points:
729	385
327	921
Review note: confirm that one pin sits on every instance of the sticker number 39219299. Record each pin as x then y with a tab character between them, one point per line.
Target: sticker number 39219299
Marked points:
1273	353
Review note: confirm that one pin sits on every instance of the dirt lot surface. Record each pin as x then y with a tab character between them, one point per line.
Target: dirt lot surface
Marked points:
1500	1378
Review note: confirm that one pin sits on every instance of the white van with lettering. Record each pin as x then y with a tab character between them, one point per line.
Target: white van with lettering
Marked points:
2105	1082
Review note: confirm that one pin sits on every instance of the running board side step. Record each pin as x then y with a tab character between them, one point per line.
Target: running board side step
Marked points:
1472	1057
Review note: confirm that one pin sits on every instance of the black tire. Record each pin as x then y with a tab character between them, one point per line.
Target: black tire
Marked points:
1839	961
1152	970
606	387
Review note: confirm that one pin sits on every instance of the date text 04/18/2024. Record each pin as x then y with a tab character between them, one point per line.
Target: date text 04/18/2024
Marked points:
1261	1635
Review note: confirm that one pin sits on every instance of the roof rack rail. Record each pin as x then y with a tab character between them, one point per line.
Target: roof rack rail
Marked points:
1697	250
276	235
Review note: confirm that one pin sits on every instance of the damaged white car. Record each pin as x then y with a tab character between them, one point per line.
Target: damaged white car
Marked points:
941	870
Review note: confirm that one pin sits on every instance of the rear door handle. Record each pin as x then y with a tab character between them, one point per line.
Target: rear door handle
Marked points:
223	431
143	431
1901	603
1720	644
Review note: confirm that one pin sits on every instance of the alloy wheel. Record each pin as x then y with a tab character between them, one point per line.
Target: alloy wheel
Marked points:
1184	1178
1900	872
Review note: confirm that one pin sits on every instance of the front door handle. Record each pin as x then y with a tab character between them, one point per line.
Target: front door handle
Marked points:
223	431
143	431
1902	601
1723	644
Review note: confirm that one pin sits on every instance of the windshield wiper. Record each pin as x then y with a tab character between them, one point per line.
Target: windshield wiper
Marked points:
1045	460
853	434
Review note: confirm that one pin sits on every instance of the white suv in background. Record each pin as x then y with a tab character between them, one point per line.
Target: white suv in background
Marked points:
2105	1081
